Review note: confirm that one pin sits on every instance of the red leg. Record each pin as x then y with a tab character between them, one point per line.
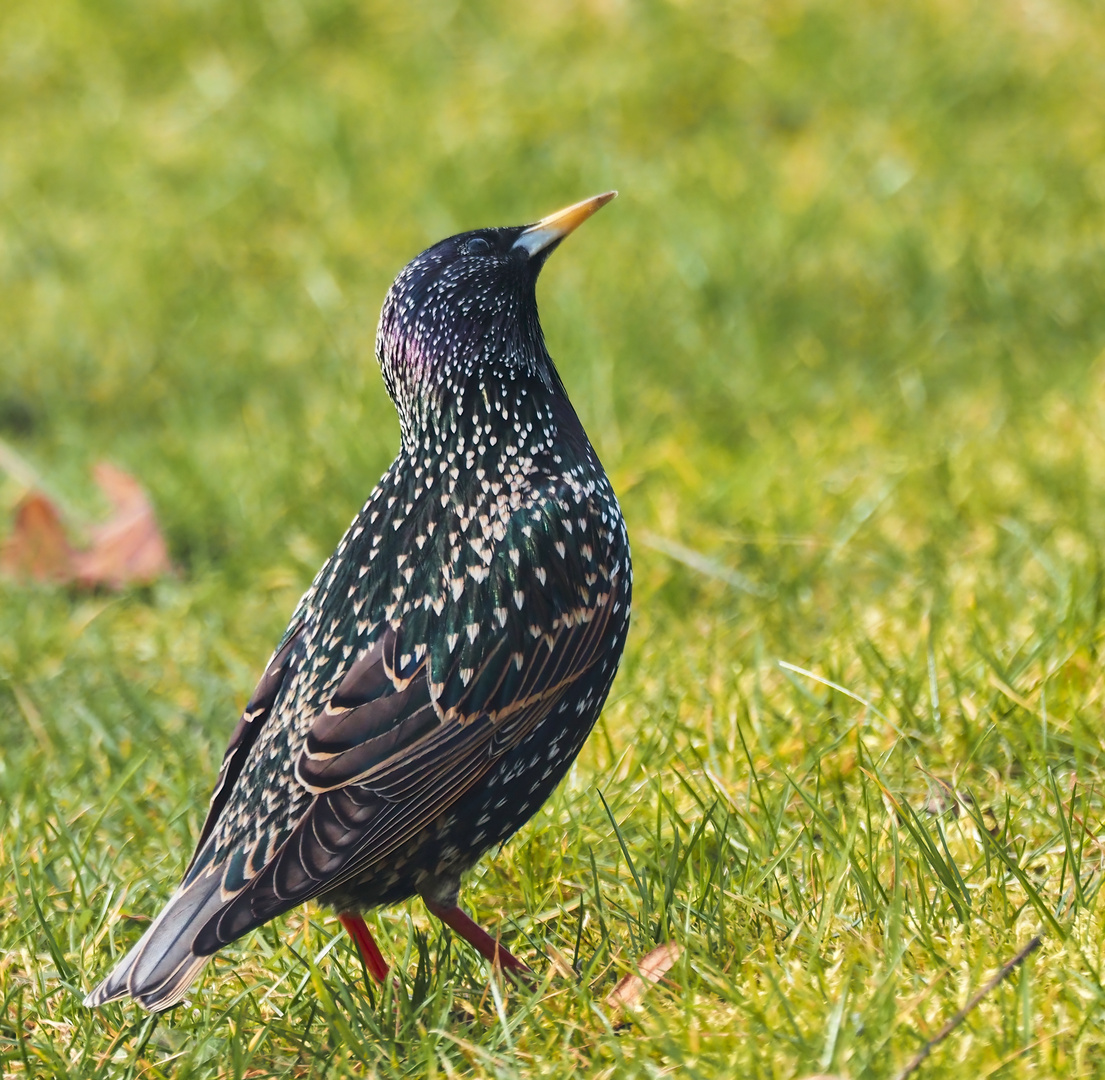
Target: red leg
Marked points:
370	954
479	939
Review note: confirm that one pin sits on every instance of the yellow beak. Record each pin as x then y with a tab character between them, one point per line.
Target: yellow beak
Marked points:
556	226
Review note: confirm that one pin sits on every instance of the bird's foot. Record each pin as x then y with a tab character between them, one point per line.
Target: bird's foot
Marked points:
481	940
370	953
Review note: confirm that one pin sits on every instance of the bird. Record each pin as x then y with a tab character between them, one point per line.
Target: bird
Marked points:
448	661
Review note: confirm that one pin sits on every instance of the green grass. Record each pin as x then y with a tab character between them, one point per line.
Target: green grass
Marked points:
841	344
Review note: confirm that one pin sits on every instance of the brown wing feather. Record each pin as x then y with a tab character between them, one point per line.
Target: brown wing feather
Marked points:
375	794
254	717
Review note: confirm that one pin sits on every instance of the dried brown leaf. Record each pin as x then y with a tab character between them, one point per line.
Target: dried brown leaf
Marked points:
128	548
37	548
651	968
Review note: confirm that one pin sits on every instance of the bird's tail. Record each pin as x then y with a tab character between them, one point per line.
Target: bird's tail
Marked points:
159	969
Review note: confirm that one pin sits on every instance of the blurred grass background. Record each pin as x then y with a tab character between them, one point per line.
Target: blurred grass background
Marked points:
840	345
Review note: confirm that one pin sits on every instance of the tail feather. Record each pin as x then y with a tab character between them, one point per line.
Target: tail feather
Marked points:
159	969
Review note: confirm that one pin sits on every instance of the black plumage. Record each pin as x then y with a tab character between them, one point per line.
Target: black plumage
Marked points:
448	661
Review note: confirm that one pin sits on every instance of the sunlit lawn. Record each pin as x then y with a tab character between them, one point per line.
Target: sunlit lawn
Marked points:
841	344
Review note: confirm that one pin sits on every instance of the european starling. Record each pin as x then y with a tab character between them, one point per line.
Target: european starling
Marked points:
447	663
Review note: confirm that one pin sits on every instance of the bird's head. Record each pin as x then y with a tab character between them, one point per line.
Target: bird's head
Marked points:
468	307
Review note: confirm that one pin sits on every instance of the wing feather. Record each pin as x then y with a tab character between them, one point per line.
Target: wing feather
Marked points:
420	718
357	822
254	717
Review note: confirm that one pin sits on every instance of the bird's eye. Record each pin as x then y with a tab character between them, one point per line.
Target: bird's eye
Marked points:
477	246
